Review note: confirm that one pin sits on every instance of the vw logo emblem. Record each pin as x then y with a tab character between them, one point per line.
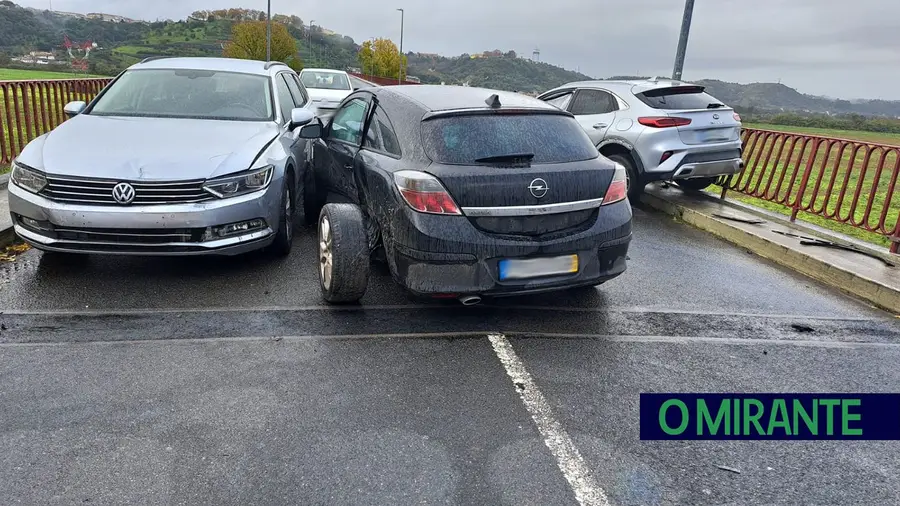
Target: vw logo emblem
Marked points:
715	116
123	193
538	188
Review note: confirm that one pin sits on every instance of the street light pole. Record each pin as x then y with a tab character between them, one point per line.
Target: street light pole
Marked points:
400	64
683	39
269	31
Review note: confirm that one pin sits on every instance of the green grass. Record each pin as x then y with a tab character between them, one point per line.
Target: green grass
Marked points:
22	75
847	171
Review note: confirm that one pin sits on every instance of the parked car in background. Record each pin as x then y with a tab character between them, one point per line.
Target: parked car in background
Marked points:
177	156
466	192
326	89
658	129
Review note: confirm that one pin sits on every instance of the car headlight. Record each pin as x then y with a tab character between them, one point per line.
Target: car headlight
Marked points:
27	178
247	182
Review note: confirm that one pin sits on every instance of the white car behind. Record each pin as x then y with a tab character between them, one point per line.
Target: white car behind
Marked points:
326	87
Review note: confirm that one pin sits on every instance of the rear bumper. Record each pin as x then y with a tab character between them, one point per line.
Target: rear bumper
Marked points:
462	260
709	169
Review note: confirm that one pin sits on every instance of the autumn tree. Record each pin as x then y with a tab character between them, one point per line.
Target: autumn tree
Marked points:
381	59
248	42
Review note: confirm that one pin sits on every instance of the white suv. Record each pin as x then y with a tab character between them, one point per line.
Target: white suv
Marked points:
658	129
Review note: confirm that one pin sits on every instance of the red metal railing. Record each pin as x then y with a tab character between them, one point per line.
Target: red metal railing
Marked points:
847	181
31	108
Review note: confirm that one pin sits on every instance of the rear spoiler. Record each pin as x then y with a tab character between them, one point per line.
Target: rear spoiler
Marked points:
673	90
488	111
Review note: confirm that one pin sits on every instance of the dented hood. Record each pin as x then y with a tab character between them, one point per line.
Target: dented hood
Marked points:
150	148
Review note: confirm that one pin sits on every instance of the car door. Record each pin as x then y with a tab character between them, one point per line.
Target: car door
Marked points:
595	111
335	153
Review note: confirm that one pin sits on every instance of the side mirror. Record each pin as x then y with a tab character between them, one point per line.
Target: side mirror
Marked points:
311	131
74	108
300	117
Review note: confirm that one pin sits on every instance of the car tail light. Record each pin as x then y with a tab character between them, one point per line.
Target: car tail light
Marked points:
663	121
665	156
737	117
618	189
424	193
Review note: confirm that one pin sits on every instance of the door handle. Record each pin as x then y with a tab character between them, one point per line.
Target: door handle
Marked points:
598	126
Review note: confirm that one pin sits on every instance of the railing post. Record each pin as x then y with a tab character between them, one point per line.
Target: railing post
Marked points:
795	209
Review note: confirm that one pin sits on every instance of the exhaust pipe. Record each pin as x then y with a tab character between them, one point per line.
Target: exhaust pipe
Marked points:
470	300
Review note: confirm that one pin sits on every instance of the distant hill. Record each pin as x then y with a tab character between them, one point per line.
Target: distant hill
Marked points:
123	42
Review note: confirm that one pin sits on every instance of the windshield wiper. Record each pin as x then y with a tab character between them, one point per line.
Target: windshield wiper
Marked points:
715	106
521	157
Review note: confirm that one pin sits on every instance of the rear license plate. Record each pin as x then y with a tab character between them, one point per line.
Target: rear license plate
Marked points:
523	268
717	134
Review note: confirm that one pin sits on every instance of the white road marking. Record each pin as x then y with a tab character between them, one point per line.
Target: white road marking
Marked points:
569	460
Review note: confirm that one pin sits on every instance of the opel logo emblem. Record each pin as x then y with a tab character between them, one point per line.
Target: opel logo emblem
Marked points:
715	116
123	193
538	188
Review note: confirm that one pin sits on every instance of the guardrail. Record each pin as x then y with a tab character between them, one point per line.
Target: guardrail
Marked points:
846	181
381	81
29	109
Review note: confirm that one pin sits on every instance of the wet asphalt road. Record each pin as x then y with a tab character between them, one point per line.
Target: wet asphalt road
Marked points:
197	381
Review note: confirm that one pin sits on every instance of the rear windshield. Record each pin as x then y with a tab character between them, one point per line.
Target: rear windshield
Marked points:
687	97
551	138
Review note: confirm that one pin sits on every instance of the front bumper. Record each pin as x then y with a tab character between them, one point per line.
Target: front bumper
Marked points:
462	260
144	230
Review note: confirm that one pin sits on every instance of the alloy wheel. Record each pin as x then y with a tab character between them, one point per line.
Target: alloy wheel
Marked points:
326	253
288	216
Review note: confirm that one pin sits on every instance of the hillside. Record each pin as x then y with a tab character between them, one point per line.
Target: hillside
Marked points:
23	30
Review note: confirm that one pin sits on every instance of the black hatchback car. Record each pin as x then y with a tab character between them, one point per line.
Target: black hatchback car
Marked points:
465	192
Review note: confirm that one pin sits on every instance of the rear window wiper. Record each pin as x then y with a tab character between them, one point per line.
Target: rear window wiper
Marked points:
521	157
715	106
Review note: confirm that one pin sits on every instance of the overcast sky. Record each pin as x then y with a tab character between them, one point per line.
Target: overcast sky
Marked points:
823	47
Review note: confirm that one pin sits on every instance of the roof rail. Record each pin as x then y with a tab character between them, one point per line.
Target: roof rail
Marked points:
273	63
151	58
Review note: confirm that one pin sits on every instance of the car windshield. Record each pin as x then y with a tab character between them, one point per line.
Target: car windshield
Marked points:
480	138
325	80
197	94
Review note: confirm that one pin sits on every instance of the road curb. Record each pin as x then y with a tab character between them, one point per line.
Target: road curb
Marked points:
870	290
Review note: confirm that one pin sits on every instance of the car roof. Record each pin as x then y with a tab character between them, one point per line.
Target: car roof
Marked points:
333	71
210	63
433	97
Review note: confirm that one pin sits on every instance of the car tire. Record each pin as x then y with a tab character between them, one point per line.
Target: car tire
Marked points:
284	237
635	187
312	204
343	253
696	184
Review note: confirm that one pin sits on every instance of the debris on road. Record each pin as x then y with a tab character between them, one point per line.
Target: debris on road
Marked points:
752	221
802	328
729	469
11	252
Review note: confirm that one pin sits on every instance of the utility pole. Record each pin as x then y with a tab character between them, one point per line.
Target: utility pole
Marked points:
400	69
312	51
683	39
269	31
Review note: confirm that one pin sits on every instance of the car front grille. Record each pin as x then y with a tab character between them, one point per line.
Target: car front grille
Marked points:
142	236
100	191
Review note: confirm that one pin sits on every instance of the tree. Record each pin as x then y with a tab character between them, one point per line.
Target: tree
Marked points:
381	58
248	42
